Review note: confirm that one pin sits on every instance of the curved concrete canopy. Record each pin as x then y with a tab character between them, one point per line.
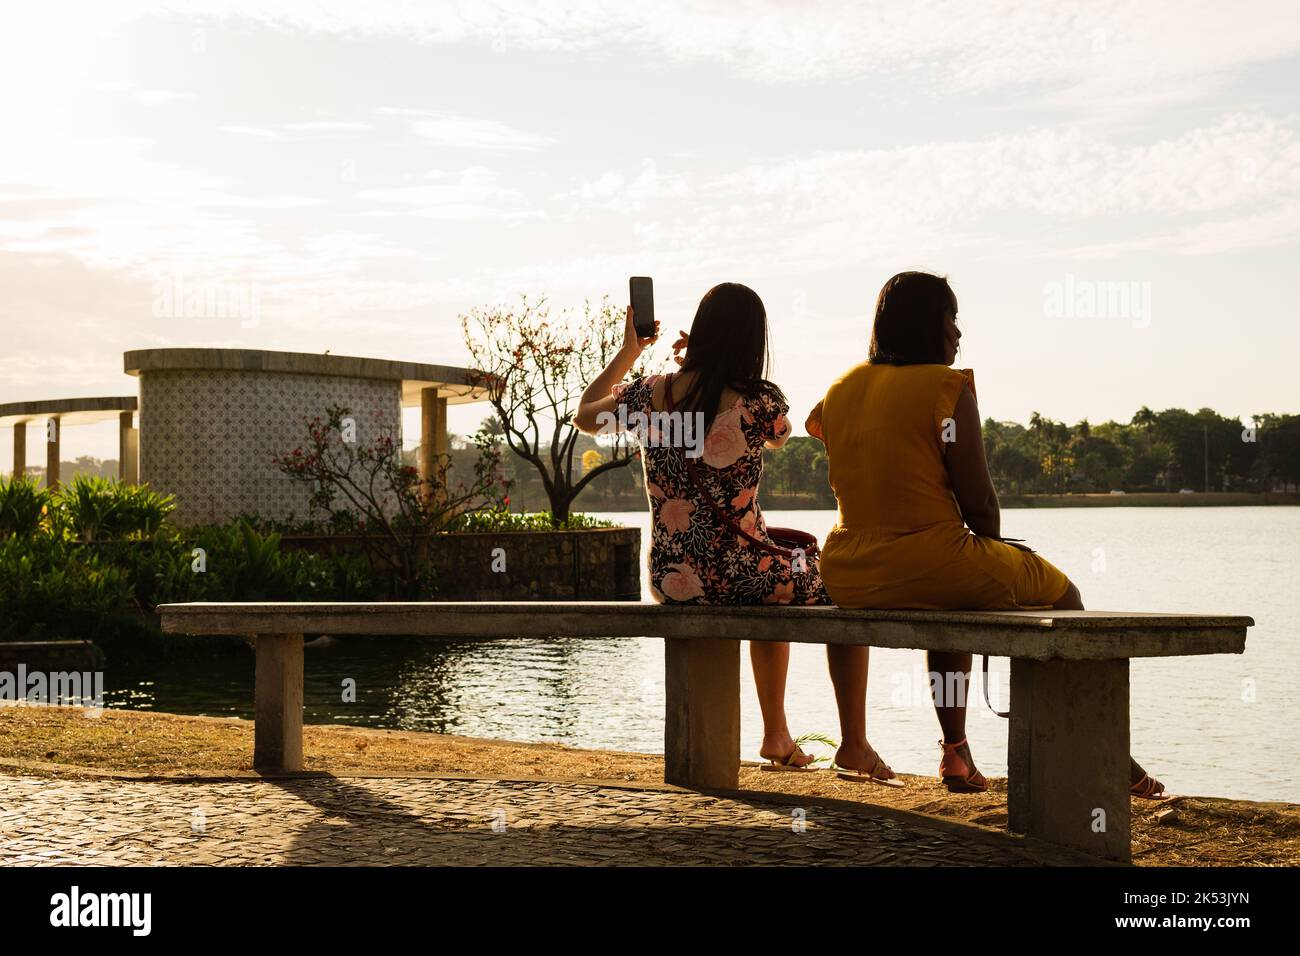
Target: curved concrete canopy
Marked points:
453	383
69	411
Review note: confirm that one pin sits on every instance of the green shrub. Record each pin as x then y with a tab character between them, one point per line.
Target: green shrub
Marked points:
538	521
92	508
22	506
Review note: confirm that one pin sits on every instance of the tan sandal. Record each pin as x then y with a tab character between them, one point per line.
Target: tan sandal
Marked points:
869	776
959	776
787	765
1149	788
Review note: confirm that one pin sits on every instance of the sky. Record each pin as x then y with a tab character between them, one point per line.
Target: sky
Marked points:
1113	189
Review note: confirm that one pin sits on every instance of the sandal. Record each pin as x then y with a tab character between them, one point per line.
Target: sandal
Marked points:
869	776
787	765
1149	788
959	776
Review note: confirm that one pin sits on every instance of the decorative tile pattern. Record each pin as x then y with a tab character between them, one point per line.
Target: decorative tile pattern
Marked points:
209	436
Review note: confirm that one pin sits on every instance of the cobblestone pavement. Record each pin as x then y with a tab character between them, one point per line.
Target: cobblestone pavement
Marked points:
426	821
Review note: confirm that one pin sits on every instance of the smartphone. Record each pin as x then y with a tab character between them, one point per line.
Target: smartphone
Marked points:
641	293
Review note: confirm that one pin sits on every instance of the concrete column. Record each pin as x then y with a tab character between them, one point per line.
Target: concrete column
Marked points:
1068	763
433	434
702	714
20	449
128	449
277	732
53	428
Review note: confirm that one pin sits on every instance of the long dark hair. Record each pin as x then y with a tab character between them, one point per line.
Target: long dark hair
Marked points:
909	324
727	347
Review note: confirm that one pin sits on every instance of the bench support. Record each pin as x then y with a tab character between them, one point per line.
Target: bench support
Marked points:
702	714
277	736
1068	765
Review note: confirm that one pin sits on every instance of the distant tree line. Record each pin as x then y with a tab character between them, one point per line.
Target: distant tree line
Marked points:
1156	451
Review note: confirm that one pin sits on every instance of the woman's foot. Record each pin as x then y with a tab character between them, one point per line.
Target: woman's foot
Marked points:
1143	785
957	769
781	749
862	759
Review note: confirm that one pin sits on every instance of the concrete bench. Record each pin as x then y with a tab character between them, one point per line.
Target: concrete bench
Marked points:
1068	769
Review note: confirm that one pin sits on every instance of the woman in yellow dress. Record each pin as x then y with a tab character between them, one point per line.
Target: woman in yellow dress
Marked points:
919	522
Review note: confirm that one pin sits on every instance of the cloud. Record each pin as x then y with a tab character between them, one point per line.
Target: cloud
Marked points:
844	207
328	127
1080	53
466	132
472	193
161	97
289	132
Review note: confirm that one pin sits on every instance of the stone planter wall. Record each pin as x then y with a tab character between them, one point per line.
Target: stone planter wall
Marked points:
598	564
48	656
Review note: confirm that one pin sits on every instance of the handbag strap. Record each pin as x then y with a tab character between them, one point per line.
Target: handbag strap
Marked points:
988	703
718	510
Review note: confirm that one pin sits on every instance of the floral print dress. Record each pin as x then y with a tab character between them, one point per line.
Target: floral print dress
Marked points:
695	558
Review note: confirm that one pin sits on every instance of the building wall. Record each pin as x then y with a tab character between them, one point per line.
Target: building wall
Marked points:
210	436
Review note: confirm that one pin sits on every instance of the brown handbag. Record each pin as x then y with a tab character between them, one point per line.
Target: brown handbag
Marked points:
789	543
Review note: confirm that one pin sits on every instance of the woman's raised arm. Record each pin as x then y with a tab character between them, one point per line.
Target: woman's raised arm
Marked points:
597	400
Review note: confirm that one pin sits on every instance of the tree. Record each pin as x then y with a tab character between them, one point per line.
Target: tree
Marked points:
1012	466
1144	419
536	367
369	490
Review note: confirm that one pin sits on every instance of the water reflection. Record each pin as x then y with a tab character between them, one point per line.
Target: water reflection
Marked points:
601	693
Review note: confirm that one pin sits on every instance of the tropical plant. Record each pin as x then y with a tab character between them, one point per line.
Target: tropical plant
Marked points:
22	506
92	509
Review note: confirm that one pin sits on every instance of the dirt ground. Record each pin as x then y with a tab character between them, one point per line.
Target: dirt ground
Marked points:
63	742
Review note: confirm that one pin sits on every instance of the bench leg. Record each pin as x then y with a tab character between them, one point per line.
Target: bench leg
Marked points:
1068	765
702	714
277	734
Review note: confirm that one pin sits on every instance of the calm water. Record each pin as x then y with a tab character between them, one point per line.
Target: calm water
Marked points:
1220	725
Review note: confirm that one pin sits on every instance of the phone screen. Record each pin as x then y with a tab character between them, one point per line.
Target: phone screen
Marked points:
641	292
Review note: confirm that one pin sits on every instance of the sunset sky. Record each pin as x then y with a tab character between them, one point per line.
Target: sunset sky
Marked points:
372	170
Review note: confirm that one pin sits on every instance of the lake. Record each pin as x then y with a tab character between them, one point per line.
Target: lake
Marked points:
1220	725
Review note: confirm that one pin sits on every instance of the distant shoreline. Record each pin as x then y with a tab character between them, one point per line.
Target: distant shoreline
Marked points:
1153	499
1135	499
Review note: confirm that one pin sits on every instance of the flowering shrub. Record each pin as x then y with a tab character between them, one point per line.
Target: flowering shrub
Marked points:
366	489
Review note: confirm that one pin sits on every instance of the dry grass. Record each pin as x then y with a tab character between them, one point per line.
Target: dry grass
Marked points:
1203	831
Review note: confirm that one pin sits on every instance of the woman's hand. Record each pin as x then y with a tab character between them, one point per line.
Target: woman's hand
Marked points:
634	344
682	343
598	399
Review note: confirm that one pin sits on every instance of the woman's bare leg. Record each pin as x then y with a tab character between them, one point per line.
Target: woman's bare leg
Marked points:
1072	600
949	686
848	666
771	662
950	683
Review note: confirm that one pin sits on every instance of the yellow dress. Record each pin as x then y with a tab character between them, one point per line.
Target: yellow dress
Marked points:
900	541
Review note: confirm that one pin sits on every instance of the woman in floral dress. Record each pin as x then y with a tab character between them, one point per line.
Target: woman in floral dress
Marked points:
696	557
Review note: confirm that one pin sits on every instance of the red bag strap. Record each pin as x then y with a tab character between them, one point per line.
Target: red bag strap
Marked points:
718	510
